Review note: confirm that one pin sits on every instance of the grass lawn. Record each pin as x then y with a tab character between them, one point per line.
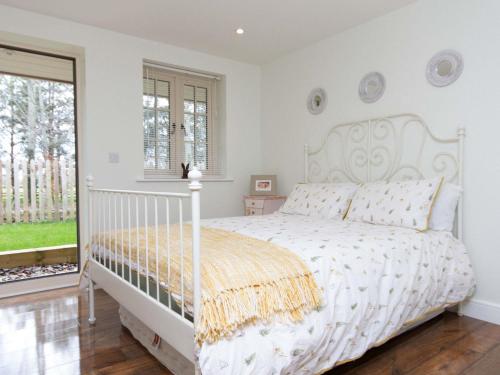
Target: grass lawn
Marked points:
29	236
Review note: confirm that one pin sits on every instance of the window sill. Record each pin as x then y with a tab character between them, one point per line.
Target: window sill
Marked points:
207	179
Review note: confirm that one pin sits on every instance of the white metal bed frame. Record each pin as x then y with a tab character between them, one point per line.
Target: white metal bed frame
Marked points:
177	329
363	151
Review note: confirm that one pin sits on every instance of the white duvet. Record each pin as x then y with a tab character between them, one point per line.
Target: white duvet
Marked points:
374	279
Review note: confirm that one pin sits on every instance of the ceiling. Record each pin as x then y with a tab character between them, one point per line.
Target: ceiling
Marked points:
272	27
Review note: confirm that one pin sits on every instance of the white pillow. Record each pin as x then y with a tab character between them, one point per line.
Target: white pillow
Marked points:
403	203
443	212
325	200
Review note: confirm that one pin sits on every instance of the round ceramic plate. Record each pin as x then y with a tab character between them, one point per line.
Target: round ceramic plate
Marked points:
372	87
316	101
444	68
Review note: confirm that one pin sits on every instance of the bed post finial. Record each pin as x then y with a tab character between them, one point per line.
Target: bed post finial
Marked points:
195	187
194	179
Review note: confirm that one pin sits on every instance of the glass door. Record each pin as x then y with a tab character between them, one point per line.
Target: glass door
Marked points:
38	165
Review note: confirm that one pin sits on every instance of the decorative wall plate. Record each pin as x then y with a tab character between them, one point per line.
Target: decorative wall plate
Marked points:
316	101
372	87
444	68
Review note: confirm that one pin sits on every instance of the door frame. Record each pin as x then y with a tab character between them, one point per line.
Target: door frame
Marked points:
69	277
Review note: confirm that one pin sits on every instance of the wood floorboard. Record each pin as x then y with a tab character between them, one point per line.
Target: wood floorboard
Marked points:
48	333
488	365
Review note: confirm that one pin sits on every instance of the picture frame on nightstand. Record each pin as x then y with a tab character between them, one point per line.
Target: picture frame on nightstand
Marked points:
263	184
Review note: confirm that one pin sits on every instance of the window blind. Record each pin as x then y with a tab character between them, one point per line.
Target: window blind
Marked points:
34	65
180	123
157	108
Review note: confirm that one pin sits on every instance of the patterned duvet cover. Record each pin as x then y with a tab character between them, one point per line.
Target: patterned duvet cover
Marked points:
374	279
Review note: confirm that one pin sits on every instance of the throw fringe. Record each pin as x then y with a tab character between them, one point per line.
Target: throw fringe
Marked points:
288	298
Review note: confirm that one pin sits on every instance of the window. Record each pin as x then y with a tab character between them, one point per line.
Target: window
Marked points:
179	123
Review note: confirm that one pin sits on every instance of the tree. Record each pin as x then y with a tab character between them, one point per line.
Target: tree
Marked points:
11	114
56	110
36	118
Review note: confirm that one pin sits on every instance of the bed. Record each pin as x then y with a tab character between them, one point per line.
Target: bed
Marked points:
376	281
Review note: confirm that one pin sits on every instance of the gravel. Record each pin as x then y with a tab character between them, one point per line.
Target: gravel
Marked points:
37	270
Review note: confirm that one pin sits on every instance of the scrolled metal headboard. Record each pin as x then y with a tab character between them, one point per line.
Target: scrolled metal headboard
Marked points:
391	148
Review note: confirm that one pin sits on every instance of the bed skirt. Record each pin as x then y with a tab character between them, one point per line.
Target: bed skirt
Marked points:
179	365
165	353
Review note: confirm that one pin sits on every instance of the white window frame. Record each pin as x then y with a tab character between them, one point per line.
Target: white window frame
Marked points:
176	148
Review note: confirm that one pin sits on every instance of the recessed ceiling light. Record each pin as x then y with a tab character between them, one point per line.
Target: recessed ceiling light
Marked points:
240	31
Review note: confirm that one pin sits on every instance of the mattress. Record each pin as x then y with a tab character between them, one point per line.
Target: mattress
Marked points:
375	281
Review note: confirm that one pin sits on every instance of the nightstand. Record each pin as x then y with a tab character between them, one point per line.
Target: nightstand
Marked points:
262	204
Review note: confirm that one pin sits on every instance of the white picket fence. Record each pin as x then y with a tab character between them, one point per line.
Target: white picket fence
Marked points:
37	191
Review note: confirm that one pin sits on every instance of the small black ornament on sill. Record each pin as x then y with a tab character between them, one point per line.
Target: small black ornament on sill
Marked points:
185	170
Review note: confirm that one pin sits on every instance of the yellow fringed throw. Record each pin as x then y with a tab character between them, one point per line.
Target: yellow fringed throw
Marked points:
243	279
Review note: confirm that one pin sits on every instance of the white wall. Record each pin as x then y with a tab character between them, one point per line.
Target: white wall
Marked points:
113	106
399	45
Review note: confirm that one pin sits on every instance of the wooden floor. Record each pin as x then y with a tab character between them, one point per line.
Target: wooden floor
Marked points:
48	333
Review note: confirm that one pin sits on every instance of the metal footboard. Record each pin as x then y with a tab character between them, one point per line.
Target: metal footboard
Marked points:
114	216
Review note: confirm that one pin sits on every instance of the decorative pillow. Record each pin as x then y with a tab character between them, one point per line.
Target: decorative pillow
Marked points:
325	200
443	212
403	203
